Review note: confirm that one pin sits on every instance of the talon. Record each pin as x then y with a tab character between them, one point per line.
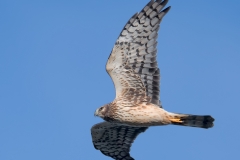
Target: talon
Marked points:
177	120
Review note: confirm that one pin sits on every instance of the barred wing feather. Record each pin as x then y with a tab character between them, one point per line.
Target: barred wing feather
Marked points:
132	63
115	140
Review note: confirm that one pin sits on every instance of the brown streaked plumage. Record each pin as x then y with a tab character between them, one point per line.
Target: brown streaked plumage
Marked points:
133	67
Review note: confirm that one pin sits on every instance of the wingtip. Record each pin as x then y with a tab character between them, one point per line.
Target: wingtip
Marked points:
166	9
163	3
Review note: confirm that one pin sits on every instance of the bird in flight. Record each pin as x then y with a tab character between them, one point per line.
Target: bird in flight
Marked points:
133	67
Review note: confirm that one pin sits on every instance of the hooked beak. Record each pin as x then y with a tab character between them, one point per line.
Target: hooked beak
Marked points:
95	114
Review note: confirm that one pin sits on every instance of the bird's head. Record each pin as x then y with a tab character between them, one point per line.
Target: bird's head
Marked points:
101	112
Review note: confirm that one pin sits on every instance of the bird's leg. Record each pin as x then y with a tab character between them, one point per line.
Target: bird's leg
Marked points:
176	120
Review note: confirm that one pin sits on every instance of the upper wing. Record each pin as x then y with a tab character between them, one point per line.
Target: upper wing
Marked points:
132	64
115	140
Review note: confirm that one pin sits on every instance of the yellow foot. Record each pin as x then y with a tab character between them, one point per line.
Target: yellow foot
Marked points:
176	120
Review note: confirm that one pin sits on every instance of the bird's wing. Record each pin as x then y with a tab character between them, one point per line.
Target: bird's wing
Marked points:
132	63
115	140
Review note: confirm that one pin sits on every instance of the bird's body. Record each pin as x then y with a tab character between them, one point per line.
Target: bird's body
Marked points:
146	114
141	115
133	67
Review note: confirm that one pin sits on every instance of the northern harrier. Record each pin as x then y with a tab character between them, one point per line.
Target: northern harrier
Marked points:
133	68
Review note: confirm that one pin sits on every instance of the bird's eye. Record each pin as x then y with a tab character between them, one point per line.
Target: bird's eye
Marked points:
100	108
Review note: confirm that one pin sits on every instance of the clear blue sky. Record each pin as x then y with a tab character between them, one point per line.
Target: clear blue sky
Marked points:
52	77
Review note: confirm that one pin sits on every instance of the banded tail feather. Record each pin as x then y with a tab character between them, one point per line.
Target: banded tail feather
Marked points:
200	121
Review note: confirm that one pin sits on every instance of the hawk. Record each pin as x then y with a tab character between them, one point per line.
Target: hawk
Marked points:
133	67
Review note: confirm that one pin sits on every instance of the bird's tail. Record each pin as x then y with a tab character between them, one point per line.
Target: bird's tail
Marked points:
205	121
